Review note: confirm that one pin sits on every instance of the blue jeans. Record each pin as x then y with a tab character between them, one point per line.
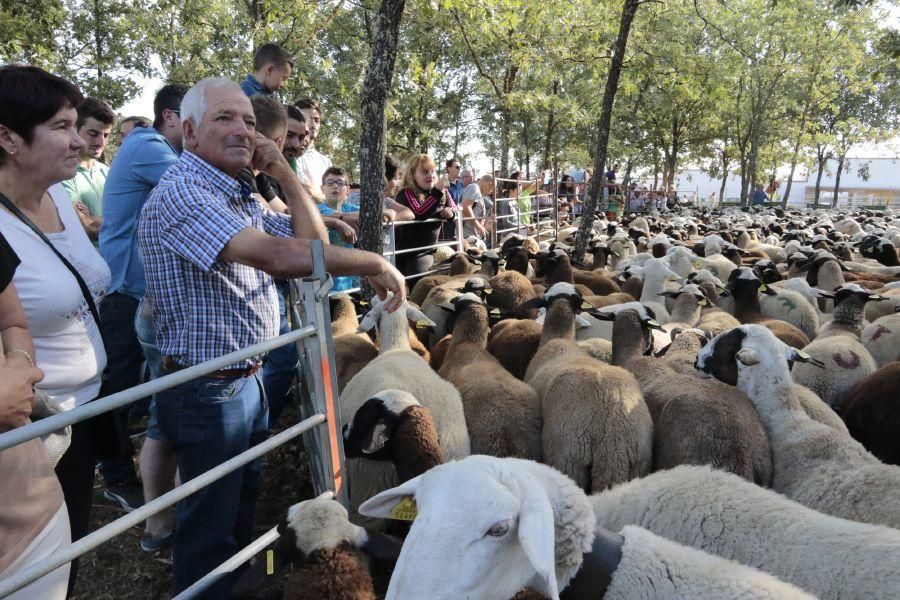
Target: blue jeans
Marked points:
124	359
281	365
208	421
146	335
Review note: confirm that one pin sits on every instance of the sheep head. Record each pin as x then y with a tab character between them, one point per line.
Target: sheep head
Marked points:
485	527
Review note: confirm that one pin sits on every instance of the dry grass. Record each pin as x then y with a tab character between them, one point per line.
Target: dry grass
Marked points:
120	570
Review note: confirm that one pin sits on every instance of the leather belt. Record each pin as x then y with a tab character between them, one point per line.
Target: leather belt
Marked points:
169	364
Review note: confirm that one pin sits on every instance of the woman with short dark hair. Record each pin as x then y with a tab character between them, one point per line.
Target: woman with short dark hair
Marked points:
62	278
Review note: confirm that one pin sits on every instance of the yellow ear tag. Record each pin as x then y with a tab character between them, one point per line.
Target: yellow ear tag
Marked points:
697	264
495	311
405	510
270	562
488	291
422	324
703	302
363	303
762	288
587	305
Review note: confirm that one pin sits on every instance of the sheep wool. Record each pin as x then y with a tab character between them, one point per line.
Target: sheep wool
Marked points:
653	567
722	514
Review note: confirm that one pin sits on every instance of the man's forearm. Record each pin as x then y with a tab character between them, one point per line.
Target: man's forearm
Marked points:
292	257
305	217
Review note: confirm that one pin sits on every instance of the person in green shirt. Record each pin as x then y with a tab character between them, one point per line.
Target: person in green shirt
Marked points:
524	199
95	122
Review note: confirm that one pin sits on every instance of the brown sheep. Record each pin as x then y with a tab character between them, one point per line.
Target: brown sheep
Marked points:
872	413
732	437
514	342
503	414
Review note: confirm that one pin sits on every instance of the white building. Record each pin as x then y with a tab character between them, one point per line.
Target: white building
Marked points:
864	182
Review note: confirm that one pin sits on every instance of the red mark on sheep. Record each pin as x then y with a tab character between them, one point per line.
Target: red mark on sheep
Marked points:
879	331
851	363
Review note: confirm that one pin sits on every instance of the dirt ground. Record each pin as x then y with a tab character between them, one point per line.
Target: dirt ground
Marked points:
120	570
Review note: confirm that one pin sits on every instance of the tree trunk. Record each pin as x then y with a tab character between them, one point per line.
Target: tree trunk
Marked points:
722	188
787	187
548	134
375	90
837	179
595	187
655	170
822	159
505	133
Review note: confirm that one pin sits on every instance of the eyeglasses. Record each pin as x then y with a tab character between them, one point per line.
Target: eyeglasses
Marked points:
336	182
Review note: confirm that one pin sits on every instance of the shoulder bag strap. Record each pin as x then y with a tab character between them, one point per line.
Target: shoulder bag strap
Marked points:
84	288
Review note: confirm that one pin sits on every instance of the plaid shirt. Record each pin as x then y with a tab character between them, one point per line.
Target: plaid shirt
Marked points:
203	306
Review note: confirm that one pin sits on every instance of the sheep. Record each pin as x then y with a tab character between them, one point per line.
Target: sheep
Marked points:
818	410
792	307
689	301
732	437
597	348
330	553
514	342
882	339
656	274
394	426
596	427
509	290
487	527
503	414
815	465
744	285
352	351
846	362
872	413
876	310
722	514
848	316
398	367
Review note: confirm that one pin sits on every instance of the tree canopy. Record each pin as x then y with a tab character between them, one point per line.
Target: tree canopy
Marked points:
742	86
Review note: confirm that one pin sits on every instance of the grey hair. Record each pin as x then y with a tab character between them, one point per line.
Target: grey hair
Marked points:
193	105
468	172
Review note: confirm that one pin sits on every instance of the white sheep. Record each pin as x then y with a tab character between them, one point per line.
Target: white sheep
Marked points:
487	527
398	367
882	339
724	515
846	362
794	308
815	465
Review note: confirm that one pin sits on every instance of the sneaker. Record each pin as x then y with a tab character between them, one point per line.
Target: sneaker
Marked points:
127	495
151	543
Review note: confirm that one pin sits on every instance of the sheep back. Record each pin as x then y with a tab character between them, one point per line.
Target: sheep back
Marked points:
882	338
725	515
792	307
334	573
514	342
872	413
846	362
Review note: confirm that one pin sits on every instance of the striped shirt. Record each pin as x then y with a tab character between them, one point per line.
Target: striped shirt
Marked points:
203	306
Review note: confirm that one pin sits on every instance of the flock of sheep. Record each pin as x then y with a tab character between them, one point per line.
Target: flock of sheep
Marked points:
710	409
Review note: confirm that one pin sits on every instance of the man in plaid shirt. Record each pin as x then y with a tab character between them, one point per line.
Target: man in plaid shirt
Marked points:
210	253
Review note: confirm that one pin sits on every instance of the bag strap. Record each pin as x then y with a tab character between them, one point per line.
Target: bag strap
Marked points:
84	288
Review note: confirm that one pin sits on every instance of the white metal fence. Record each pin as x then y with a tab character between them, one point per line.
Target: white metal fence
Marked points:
321	424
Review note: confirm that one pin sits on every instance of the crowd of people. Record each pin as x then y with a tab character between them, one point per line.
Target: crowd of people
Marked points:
175	252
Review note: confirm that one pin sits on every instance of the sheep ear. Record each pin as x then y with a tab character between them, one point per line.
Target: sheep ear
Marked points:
795	355
542	314
376	438
370	320
382	505
821	293
747	356
418	317
538	302
582	320
536	536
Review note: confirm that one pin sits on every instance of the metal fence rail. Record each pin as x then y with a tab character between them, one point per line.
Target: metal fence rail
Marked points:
315	342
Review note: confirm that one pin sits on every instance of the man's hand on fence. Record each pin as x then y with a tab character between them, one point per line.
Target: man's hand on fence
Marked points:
16	393
347	233
389	280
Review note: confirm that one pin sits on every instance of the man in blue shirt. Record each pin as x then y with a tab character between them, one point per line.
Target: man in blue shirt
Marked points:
210	253
759	196
138	166
271	68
